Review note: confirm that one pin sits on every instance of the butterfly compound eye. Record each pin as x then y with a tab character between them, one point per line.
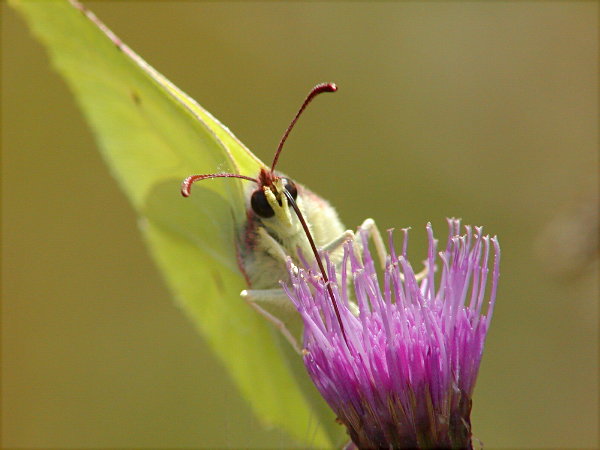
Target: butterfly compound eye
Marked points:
290	186
260	205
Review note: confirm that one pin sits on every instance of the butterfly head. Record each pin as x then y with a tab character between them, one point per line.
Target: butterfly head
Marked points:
269	200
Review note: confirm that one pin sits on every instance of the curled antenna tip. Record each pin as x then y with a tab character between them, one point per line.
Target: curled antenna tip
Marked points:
327	87
186	186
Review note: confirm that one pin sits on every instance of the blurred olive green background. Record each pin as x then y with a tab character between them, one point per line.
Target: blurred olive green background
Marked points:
484	111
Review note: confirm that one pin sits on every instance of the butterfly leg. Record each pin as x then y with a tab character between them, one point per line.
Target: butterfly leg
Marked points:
370	226
422	274
349	235
271	246
276	307
273	304
334	245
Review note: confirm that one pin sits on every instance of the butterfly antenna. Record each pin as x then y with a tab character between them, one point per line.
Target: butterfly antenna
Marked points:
186	185
318	89
318	259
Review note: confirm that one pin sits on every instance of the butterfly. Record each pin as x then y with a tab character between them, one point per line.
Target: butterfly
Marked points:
209	247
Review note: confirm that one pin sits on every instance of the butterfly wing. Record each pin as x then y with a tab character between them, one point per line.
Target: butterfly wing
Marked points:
152	136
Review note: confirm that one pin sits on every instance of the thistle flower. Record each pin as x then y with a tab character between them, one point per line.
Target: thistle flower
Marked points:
401	373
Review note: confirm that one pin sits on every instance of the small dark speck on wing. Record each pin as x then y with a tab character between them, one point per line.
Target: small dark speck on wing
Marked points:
218	281
136	98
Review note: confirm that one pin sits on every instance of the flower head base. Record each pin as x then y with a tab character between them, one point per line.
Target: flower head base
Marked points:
403	375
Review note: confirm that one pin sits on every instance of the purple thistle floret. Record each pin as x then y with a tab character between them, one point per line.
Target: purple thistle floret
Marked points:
402	373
